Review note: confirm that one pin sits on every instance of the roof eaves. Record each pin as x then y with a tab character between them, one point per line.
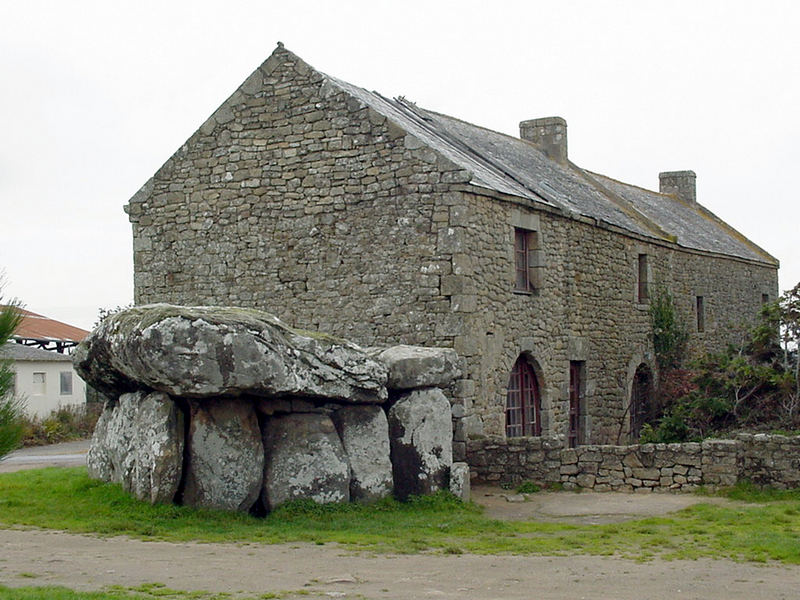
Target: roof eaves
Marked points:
765	257
737	235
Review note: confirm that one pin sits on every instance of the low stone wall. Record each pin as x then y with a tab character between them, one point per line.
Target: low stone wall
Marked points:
772	460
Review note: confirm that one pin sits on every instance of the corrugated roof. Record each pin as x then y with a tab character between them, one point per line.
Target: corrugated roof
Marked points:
516	167
39	327
14	351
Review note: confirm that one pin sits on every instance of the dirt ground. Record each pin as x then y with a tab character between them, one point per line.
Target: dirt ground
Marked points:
33	557
90	563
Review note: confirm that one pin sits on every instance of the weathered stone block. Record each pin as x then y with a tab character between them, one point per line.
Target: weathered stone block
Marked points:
226	456
207	352
646	473
569	456
460	481
304	459
364	432
138	442
411	367
420	435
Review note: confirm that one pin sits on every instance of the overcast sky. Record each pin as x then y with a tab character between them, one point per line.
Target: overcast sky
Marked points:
97	95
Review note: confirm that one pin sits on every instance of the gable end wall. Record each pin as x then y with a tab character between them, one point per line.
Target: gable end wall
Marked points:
297	199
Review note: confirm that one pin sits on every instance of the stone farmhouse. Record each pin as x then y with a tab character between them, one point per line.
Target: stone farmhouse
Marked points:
338	209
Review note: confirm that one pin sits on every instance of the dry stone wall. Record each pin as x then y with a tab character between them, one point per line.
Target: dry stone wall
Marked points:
770	460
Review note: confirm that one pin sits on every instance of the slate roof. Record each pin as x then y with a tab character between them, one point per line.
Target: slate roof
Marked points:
15	351
513	166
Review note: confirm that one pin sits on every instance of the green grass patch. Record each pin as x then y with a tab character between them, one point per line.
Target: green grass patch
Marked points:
746	491
67	499
147	591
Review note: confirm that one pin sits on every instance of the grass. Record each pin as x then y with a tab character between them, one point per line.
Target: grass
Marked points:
67	499
147	591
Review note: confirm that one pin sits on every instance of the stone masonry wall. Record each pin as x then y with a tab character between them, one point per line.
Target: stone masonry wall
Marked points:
586	309
771	460
296	198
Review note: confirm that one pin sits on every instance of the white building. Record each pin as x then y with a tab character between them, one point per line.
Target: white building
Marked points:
44	380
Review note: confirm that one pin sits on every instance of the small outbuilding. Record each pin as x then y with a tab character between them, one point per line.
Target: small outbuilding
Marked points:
44	380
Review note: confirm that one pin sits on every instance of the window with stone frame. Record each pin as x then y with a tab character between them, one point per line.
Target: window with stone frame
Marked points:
527	261
700	309
643	286
523	402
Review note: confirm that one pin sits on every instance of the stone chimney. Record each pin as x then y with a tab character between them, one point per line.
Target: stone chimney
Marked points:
548	134
680	184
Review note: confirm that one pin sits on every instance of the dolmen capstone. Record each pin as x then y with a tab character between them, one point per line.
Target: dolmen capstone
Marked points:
230	408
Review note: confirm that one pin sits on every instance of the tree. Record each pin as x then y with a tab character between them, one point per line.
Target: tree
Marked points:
789	315
752	385
10	406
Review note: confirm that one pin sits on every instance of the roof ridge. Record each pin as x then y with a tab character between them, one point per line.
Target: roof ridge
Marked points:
633	185
625	205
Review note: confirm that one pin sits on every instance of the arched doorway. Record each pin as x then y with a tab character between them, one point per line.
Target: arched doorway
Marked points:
641	407
523	401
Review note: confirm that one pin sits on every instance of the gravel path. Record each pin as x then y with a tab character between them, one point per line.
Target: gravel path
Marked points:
89	563
68	454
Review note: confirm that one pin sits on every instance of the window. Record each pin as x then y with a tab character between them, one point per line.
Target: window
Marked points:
39	387
527	266
643	293
66	383
575	433
764	298
701	314
523	404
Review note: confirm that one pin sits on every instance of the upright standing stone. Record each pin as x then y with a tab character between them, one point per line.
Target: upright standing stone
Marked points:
109	457
138	442
459	481
420	434
304	459
158	444
226	456
364	432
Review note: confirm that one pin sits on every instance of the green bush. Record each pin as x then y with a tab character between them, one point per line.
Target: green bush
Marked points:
10	407
62	425
752	386
528	487
11	425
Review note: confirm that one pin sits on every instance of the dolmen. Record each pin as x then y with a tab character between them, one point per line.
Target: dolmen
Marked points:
230	408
